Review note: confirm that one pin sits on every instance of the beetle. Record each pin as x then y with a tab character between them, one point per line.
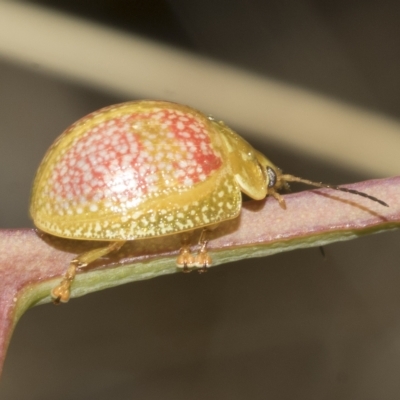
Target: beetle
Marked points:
146	169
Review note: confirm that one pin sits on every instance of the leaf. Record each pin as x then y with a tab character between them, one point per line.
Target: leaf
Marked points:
32	263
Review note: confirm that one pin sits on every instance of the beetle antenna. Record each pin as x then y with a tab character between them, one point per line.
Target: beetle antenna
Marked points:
291	178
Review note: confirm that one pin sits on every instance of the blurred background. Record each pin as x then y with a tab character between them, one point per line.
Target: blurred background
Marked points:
314	84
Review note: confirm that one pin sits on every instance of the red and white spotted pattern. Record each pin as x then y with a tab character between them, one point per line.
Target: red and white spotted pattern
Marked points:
140	170
134	155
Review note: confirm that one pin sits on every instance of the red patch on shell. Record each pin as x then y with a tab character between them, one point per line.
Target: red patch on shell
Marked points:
135	154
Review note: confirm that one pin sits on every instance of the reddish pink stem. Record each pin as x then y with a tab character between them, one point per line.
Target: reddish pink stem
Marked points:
27	258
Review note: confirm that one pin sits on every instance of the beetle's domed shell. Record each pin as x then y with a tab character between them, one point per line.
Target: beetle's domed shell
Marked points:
135	170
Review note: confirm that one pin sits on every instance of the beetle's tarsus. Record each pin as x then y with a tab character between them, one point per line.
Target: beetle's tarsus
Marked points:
62	292
185	260
203	259
186	269
278	198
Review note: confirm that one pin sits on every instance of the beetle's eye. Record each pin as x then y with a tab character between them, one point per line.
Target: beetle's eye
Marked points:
271	177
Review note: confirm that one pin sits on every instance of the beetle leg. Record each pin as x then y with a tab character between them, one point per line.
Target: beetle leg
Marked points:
185	258
278	197
203	259
62	292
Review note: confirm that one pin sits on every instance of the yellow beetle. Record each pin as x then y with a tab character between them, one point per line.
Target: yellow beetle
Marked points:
147	169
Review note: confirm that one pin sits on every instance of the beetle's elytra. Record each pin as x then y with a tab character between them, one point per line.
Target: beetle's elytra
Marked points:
147	169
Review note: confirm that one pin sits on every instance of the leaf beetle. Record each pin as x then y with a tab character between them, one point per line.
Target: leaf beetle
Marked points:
146	169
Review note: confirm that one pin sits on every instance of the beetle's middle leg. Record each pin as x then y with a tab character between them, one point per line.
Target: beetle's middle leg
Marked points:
203	259
185	258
